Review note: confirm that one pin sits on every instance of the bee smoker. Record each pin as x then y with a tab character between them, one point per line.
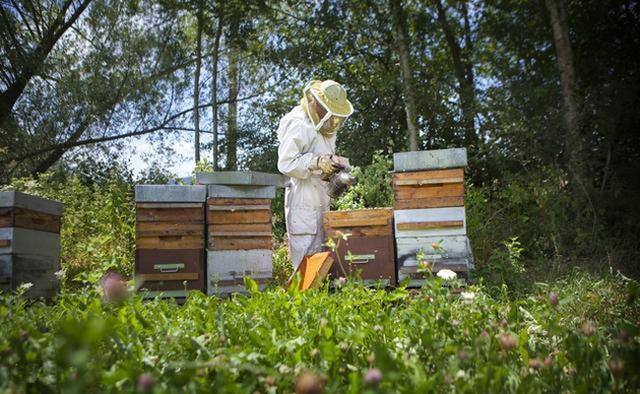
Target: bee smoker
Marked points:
340	182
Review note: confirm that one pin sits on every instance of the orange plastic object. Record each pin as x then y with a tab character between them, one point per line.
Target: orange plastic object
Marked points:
314	269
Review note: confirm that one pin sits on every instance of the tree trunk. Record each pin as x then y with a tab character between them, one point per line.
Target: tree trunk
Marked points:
463	71
402	48
232	125
196	86
564	55
214	86
34	61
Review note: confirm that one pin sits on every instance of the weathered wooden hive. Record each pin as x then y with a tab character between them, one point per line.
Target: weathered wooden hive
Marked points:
29	243
369	248
239	228
170	239
430	220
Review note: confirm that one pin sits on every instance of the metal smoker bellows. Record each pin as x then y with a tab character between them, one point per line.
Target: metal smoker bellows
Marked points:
340	182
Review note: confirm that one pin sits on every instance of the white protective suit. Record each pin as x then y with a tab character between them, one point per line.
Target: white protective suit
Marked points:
306	197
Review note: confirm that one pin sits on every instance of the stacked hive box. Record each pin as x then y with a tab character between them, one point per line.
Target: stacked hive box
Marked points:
29	243
170	238
369	248
429	215
239	228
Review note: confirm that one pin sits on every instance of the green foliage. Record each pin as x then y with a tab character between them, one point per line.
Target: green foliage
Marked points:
421	341
373	188
98	224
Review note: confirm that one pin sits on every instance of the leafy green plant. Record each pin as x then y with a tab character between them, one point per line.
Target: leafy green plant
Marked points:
579	332
373	188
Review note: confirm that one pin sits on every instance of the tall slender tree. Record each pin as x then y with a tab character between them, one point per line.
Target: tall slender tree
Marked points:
463	69
404	53
196	82
214	81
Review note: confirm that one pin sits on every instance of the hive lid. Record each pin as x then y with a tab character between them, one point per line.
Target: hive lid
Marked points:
27	201
241	191
241	178
171	193
430	159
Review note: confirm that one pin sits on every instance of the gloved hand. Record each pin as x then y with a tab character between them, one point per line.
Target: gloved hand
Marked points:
326	164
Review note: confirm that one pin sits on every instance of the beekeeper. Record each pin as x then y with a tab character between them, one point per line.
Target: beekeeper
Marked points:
306	154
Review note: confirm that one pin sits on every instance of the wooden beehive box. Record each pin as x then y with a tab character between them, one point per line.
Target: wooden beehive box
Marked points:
239	228
370	247
429	217
29	243
170	239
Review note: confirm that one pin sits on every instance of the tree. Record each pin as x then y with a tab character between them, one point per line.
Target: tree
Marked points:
196	82
30	31
214	82
463	69
403	50
564	56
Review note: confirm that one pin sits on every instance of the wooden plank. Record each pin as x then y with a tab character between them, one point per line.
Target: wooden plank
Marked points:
175	215
169	205
176	276
426	191
171	242
421	182
238	217
237	228
369	213
30	219
430	225
4	243
238	207
433	202
239	201
429	175
224	243
149	229
357	222
376	231
238	234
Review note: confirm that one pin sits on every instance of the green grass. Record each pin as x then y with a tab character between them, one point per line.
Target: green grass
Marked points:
420	340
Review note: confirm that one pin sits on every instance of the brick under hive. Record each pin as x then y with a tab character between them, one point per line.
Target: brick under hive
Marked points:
430	219
29	243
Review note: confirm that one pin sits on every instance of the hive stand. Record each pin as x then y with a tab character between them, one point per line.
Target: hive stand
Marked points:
170	240
29	243
430	218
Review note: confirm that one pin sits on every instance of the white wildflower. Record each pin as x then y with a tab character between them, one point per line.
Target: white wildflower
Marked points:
446	274
468	296
25	286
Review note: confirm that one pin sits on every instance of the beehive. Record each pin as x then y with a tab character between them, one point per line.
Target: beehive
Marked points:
170	239
429	216
239	227
29	243
369	248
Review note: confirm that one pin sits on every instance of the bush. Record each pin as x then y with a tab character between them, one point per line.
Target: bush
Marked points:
373	188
